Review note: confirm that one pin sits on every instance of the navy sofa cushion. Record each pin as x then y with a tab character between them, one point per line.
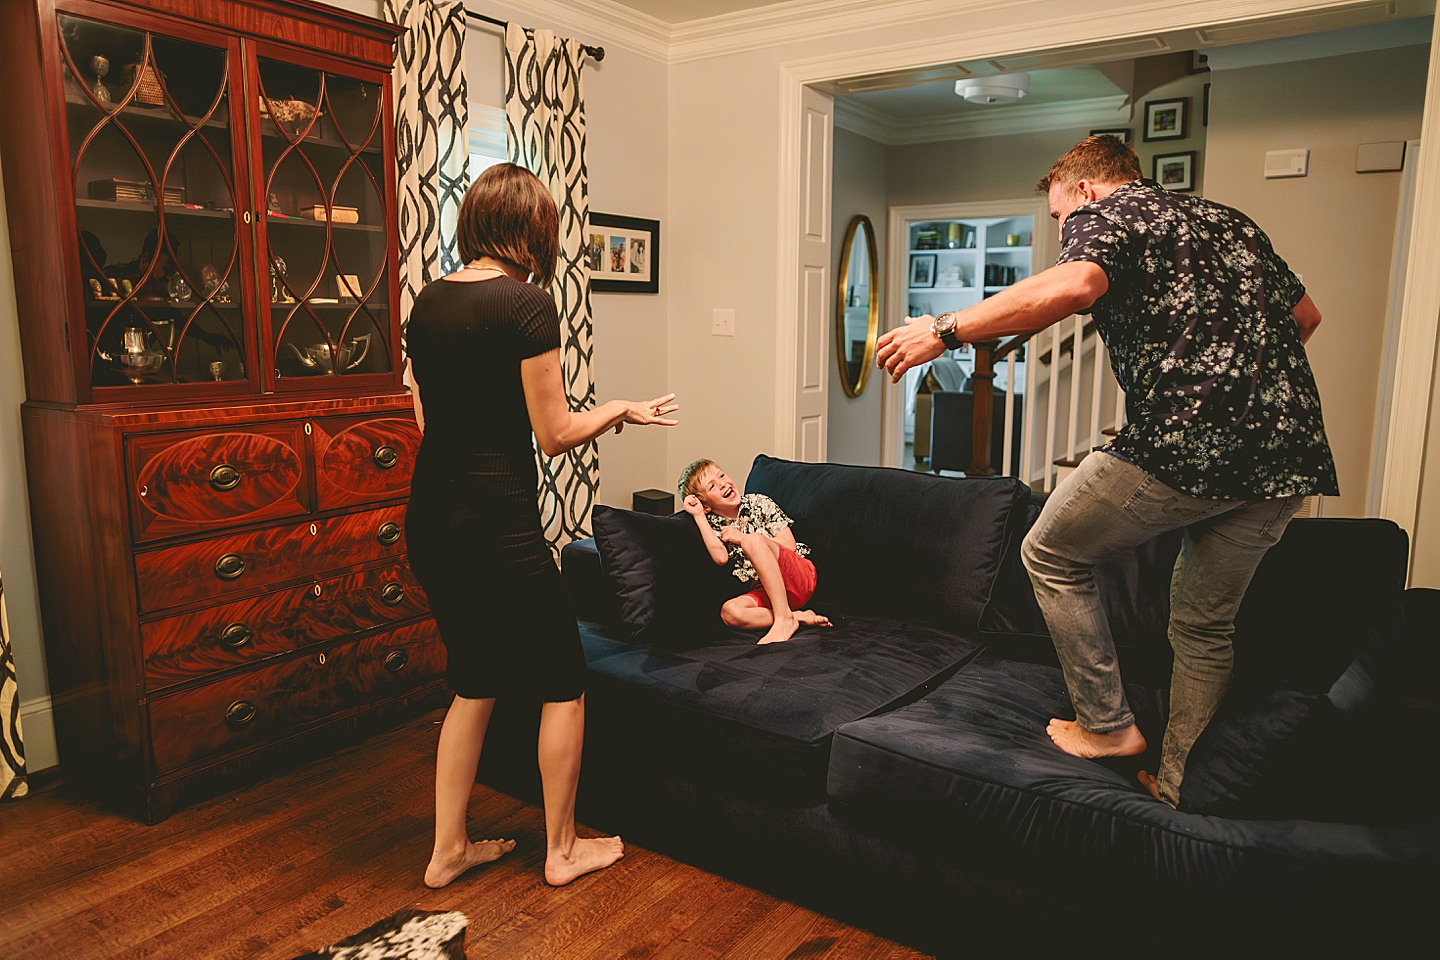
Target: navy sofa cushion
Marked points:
971	768
757	719
895	543
668	589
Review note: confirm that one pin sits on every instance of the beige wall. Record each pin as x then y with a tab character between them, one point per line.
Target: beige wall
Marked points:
859	185
1335	227
1426	536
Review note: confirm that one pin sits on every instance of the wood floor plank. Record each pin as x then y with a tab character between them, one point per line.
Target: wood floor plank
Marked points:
309	857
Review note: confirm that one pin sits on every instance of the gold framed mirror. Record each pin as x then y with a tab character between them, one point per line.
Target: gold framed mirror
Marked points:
857	306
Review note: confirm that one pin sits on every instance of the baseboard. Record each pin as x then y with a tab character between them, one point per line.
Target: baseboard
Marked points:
37	727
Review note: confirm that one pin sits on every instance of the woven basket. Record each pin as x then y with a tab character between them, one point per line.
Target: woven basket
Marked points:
149	92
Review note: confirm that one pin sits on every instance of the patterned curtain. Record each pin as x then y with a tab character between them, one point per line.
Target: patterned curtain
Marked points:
431	148
12	746
545	124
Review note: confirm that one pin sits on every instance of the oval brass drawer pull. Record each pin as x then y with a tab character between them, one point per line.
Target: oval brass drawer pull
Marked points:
392	593
395	660
224	477
235	636
388	533
230	566
240	713
386	457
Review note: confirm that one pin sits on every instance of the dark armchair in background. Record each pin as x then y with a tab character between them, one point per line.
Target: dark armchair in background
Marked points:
951	431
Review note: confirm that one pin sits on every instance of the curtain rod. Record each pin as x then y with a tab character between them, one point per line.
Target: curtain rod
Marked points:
595	53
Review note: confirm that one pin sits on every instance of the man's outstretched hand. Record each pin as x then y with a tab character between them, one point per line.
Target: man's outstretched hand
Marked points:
904	347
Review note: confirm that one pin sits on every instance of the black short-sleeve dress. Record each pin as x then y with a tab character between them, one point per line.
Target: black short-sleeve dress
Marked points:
473	524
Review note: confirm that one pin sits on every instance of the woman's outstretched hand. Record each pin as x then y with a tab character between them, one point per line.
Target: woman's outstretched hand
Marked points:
649	412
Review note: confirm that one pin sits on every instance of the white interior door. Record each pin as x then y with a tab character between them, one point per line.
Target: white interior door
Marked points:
812	341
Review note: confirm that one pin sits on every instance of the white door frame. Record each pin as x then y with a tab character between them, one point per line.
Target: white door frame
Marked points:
1420	313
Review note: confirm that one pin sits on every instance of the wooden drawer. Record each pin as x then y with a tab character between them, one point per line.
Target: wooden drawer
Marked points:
248	561
358	460
193	482
196	644
270	701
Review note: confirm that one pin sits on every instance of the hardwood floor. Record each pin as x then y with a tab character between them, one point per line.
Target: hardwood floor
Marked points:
323	851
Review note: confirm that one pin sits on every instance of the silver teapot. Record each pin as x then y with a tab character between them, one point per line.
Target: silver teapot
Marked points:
347	355
140	355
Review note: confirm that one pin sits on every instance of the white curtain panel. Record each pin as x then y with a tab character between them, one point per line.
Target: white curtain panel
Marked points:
545	124
12	744
431	150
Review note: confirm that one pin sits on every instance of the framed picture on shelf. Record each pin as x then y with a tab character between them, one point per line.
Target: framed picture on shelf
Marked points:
1176	171
1119	133
1205	108
922	269
1199	62
1166	119
622	254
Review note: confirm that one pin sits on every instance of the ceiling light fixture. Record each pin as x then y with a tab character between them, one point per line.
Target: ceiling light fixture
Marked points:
1002	88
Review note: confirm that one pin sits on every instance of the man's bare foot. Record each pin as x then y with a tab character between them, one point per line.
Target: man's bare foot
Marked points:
586	856
810	618
443	868
1149	783
782	630
1079	742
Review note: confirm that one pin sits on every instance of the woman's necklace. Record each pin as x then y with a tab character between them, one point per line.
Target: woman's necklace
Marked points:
477	265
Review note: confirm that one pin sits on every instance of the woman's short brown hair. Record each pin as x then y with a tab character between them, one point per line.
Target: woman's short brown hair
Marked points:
1103	159
508	214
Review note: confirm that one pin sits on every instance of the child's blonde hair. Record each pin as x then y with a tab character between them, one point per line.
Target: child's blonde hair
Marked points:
690	477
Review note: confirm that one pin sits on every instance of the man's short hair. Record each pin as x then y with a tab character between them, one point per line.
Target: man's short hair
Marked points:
1103	159
690	477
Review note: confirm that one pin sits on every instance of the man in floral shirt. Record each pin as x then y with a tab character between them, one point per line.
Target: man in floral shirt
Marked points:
1205	326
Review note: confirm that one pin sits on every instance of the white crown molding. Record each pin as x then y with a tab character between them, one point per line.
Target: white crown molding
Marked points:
1033	118
605	21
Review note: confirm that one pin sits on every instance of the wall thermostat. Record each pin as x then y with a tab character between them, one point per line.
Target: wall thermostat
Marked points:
1286	163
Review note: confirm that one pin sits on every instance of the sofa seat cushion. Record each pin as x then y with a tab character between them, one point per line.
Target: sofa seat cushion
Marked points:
758	719
970	769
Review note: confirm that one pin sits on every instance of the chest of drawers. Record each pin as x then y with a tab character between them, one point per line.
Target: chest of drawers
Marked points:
226	589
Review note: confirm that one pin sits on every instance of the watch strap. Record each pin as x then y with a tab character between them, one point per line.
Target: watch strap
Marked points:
946	332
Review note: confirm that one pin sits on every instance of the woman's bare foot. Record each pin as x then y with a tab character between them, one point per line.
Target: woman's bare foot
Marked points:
586	856
444	868
810	618
1149	783
1079	742
783	629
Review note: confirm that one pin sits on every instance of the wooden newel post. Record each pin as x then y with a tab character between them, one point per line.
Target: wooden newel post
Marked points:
982	386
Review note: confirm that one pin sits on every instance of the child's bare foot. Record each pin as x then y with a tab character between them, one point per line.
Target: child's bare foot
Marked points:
586	856
1079	742
783	629
444	868
1149	783
811	619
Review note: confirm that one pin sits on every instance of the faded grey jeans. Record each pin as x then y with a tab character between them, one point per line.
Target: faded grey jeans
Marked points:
1107	506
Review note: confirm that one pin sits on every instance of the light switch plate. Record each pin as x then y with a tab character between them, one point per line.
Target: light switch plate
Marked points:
722	323
1380	157
1286	163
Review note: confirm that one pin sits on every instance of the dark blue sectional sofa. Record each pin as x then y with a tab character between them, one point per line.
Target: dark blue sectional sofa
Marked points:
894	769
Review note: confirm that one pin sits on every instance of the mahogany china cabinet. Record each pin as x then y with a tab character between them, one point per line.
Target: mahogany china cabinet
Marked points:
218	444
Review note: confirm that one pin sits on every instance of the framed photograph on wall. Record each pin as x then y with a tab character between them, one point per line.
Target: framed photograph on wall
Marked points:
1119	133
1175	171
922	269
1166	119
622	254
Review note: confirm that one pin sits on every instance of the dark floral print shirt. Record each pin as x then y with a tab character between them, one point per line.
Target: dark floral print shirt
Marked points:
1219	396
758	514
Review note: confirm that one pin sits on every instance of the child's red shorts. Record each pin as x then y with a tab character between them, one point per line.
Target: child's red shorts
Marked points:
798	575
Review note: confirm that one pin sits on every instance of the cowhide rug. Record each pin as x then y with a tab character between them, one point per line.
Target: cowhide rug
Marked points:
408	935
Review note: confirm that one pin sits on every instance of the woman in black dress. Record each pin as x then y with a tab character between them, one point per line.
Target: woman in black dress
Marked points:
484	349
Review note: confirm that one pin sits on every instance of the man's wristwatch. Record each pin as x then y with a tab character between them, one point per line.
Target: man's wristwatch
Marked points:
944	328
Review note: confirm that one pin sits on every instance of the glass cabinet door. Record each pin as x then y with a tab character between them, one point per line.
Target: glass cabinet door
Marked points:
161	250
322	186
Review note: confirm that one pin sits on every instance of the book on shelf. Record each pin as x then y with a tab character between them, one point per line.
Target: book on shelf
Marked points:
132	191
337	213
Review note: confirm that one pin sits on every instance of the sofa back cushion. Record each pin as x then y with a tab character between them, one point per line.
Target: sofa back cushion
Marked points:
668	589
894	543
